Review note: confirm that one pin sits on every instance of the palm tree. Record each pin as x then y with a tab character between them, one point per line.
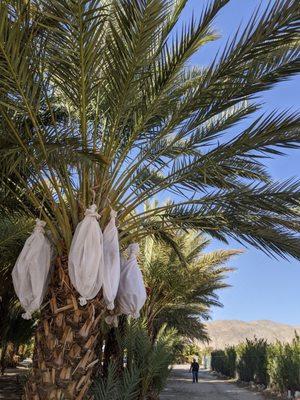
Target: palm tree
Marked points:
181	282
97	103
147	364
181	294
13	329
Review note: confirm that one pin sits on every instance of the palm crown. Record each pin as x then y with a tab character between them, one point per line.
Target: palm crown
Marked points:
97	103
182	295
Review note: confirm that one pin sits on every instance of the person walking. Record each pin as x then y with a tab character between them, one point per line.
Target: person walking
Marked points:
195	370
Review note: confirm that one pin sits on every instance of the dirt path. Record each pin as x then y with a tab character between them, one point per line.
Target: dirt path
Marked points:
10	384
180	387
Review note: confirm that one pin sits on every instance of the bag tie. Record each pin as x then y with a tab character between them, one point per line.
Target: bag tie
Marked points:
112	320
92	212
111	306
113	213
133	249
82	301
39	226
27	315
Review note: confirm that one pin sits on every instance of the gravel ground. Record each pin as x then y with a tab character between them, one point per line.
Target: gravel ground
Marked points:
180	387
10	384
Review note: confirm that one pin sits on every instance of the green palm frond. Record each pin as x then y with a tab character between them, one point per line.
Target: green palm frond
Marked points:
108	389
186	324
13	233
147	363
182	294
97	97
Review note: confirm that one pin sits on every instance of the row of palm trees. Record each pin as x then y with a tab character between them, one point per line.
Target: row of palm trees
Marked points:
97	103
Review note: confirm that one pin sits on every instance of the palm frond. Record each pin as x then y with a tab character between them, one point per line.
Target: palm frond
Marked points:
97	97
183	293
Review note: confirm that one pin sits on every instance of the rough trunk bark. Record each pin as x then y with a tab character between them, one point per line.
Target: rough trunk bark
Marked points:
2	358
65	342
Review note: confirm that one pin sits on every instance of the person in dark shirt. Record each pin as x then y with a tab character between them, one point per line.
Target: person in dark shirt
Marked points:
195	370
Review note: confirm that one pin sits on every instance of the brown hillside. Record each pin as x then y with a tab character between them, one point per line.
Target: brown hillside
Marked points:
228	333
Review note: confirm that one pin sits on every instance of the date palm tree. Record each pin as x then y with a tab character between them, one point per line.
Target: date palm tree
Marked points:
13	329
97	104
181	294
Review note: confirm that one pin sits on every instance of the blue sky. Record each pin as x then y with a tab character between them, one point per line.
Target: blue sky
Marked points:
262	287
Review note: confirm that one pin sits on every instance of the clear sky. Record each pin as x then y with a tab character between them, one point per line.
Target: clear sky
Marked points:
262	287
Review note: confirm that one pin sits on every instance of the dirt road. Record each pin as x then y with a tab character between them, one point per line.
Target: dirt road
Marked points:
10	384
209	387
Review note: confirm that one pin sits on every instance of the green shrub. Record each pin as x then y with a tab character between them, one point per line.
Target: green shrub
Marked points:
231	358
224	361
217	360
275	365
253	361
284	365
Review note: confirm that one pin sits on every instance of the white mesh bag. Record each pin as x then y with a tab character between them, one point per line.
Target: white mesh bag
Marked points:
132	293
111	256
86	257
31	271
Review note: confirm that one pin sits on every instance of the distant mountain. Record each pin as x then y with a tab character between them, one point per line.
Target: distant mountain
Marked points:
232	332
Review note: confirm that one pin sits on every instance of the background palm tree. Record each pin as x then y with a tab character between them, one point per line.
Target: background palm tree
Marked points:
147	364
14	330
181	286
97	104
181	294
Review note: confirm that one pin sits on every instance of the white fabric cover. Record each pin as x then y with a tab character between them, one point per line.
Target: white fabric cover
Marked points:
132	293
31	271
111	255
86	256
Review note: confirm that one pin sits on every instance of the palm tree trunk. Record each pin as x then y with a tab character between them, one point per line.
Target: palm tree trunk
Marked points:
2	358
65	342
112	352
